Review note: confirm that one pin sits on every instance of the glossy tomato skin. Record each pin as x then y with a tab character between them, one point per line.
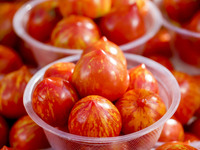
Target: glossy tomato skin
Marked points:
54	95
9	60
159	44
190	96
172	131
165	61
92	8
108	47
4	132
25	134
98	73
42	20
142	78
76	32
175	146
118	25
62	70
12	88
139	108
181	10
95	116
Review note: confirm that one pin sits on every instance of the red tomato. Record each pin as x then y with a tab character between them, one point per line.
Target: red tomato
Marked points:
53	99
159	44
95	116
98	73
63	70
9	60
123	25
172	131
4	131
139	108
42	20
108	47
12	88
91	8
27	135
190	137
142	78
175	146
181	10
7	34
190	96
165	61
76	32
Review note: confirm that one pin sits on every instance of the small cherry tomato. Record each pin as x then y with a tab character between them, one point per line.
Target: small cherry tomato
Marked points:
123	25
95	116
139	108
172	131
76	32
12	88
98	73
27	135
53	99
43	18
142	78
9	60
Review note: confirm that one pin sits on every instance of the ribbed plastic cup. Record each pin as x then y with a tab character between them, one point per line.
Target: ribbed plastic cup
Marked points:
140	140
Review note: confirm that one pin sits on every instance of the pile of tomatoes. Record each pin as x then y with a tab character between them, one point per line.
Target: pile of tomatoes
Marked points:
81	90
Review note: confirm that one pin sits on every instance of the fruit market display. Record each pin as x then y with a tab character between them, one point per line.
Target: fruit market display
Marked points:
97	96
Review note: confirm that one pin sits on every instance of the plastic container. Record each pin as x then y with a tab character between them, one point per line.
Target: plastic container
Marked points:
143	139
45	54
185	44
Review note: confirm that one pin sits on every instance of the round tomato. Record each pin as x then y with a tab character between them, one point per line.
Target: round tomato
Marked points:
53	99
139	108
76	32
12	88
95	116
43	18
98	73
123	25
27	135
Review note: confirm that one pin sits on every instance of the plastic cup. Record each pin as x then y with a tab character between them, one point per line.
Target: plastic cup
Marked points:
185	44
45	54
140	140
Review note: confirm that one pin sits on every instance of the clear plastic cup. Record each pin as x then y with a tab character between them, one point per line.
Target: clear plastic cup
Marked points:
45	54
185	44
140	140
